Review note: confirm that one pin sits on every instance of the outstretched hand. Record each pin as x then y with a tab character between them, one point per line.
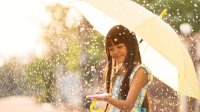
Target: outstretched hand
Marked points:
99	96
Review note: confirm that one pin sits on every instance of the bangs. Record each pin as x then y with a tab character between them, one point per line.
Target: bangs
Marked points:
117	35
114	41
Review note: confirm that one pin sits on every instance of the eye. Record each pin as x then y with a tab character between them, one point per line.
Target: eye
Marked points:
119	46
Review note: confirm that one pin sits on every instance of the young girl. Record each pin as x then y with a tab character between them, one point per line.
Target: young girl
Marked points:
126	78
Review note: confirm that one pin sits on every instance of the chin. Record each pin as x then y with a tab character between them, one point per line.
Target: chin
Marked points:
119	62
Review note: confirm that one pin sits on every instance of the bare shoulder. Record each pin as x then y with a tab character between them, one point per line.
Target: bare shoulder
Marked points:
141	70
142	74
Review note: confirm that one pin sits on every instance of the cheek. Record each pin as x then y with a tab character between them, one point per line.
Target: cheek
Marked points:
125	52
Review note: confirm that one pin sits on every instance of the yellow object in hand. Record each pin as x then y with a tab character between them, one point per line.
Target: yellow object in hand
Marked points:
92	106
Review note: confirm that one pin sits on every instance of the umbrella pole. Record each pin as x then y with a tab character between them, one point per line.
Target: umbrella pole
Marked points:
183	102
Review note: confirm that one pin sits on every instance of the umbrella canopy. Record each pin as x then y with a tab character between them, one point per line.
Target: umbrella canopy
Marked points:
171	62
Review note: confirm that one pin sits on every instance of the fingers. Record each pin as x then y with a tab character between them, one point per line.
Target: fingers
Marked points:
99	92
89	97
102	96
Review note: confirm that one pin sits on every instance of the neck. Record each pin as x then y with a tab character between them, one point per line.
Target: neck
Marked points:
120	69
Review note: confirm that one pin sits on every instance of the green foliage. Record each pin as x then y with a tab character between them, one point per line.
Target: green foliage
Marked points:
179	11
41	77
65	46
8	79
95	51
63	42
96	47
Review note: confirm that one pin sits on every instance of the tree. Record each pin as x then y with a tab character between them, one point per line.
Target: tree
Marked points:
67	46
41	79
41	72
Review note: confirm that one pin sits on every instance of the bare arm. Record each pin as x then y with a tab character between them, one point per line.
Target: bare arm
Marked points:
140	79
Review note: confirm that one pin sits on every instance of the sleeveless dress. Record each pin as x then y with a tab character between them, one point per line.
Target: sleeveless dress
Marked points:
116	86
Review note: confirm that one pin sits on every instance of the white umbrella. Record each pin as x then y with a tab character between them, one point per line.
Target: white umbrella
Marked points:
171	62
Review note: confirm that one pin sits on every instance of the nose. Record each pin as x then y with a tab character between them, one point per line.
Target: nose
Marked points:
115	51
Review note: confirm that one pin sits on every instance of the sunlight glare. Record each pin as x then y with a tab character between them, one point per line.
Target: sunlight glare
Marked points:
40	50
20	27
73	17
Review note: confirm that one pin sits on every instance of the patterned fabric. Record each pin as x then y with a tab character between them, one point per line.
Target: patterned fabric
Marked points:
115	91
116	86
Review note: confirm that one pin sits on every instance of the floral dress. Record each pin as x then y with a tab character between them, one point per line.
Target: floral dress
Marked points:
116	86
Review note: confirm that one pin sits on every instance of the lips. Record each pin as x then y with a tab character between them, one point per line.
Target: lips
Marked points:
118	58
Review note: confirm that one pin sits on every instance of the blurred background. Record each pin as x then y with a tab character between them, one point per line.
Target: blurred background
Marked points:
51	57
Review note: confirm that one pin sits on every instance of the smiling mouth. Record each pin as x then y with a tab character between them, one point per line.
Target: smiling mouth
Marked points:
118	58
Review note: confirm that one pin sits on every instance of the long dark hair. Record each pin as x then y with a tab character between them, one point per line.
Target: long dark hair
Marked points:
119	34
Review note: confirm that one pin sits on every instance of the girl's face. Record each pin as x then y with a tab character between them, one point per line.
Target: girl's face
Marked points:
118	52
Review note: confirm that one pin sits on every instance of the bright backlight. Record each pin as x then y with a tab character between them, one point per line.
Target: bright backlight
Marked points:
20	26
